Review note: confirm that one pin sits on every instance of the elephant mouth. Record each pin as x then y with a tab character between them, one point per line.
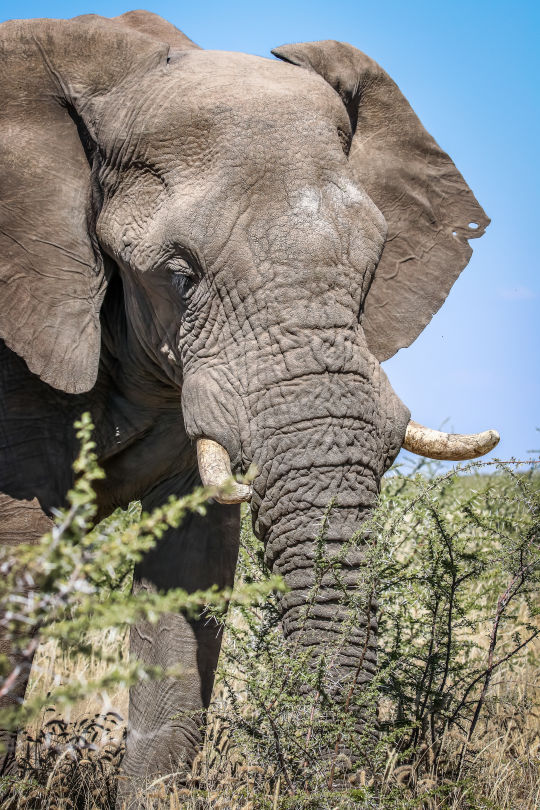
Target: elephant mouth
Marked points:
215	464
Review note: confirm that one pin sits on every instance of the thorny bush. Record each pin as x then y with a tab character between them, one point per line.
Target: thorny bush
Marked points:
454	559
453	562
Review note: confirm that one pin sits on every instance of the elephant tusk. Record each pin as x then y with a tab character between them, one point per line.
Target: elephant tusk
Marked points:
448	446
215	471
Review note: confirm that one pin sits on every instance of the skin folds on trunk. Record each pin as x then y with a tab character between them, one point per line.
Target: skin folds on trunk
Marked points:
318	482
328	614
325	508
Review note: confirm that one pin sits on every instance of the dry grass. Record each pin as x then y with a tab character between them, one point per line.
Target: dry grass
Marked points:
52	668
71	762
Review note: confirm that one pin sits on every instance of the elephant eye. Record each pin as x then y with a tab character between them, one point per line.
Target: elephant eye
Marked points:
184	276
182	267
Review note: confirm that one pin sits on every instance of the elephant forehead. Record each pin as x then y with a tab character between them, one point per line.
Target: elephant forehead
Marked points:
212	107
242	80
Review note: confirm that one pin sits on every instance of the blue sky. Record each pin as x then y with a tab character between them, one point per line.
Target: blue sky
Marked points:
471	72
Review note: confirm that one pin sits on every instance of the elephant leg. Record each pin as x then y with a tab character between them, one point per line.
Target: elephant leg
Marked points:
166	717
20	522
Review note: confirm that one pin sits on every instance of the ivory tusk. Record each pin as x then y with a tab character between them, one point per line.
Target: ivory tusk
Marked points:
448	446
215	470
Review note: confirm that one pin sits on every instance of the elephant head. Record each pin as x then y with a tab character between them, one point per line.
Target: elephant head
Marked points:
272	230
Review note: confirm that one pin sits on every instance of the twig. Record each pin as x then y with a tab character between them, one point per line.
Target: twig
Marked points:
279	752
502	603
16	671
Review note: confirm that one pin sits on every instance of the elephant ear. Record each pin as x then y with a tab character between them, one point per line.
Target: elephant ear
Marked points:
430	211
52	280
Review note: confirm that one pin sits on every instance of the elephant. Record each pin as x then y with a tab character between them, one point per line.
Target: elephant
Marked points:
213	253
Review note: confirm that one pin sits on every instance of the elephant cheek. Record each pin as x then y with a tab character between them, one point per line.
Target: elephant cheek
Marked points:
211	410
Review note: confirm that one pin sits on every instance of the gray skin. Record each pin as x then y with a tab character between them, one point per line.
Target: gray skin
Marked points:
200	243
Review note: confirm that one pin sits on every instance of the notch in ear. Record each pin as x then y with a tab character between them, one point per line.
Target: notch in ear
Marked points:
430	211
52	283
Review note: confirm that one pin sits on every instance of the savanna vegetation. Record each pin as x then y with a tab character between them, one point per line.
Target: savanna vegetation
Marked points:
451	720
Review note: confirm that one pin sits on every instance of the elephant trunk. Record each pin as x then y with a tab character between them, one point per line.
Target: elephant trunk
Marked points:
317	486
325	571
320	442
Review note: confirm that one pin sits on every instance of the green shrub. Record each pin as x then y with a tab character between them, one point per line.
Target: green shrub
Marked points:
76	581
454	562
459	574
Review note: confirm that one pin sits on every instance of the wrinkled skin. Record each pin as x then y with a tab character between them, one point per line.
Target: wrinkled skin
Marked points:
237	245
